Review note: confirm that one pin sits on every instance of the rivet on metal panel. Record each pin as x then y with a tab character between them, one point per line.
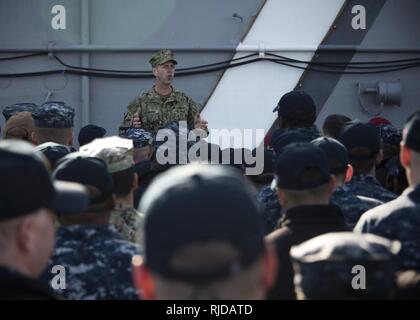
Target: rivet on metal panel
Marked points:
50	48
261	49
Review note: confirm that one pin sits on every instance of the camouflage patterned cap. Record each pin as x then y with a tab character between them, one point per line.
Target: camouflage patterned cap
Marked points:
161	57
54	114
140	137
115	151
18	107
390	134
325	265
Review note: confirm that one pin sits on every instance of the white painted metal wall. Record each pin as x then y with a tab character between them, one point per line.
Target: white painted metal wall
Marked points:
246	95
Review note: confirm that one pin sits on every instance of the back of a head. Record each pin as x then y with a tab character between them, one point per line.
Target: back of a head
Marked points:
411	134
363	143
20	126
345	265
301	171
202	228
54	123
333	124
52	151
297	109
90	172
28	199
411	142
336	152
143	142
280	141
89	133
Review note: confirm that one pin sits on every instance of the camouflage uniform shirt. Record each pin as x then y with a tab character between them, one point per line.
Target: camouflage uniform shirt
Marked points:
155	110
270	208
97	263
398	220
128	222
352	206
368	186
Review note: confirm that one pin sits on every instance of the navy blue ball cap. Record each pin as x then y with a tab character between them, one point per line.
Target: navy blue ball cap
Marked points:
89	171
52	151
89	133
26	185
297	104
362	140
336	152
278	142
197	205
411	135
301	166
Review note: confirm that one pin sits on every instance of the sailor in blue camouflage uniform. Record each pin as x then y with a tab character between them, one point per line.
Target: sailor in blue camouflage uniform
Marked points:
54	122
96	258
325	267
143	143
296	111
141	138
14	109
364	147
351	205
391	139
400	219
267	197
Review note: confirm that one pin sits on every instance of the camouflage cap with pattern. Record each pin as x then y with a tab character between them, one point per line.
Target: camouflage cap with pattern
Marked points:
161	57
390	134
54	114
115	151
140	137
18	107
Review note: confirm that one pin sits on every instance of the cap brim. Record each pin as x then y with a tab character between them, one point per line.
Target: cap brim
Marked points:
172	60
276	108
70	197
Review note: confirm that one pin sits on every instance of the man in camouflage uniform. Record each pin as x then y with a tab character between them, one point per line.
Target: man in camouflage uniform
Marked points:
296	111
352	205
400	219
163	103
143	150
364	147
118	155
96	258
325	267
53	123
